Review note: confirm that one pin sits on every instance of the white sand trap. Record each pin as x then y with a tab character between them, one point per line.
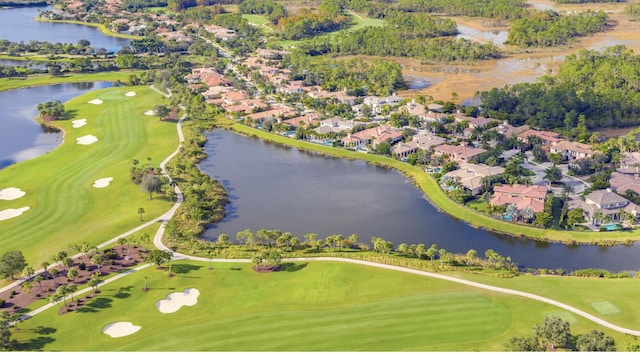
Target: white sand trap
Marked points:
79	123
176	300
96	102
130	93
100	183
11	193
120	329
86	140
149	112
12	212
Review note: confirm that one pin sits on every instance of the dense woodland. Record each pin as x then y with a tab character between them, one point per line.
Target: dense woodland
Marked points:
379	77
500	9
549	28
601	86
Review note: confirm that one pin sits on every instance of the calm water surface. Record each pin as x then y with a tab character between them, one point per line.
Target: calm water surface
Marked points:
21	137
17	24
275	187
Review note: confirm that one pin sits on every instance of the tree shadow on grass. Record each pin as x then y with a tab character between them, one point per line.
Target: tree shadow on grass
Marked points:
69	114
291	267
95	305
123	292
33	344
45	330
182	269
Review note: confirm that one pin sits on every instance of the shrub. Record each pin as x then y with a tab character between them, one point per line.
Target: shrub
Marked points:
82	266
2	302
110	254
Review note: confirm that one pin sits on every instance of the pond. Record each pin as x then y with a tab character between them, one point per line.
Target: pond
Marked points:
276	187
18	24
21	137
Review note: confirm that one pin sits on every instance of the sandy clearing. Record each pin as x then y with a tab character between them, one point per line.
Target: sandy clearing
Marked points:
176	300
12	212
11	193
120	329
149	112
101	183
130	93
79	123
96	102
86	140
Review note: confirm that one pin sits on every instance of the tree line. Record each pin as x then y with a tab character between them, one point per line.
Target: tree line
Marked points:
601	86
500	9
388	41
549	28
270	9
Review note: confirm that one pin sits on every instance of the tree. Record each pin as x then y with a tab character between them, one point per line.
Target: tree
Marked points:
60	256
529	343
150	183
528	214
575	216
45	265
432	251
72	274
553	174
595	341
7	321
554	330
471	255
158	257
223	239
420	249
28	272
12	263
141	211
55	299
161	111
67	262
97	260
93	282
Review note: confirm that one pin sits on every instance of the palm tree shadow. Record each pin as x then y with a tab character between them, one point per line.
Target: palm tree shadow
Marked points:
95	305
182	269
69	114
291	267
37	343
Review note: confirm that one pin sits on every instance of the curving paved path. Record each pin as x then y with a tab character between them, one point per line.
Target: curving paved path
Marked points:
164	219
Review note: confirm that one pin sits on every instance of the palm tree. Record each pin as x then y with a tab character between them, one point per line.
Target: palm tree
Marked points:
55	299
567	190
97	260
597	217
38	279
141	211
553	174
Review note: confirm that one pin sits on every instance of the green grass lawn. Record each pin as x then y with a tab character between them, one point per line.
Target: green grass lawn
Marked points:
316	306
64	207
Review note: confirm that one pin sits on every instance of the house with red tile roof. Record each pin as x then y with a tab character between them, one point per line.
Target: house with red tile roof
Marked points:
234	97
522	196
426	141
304	120
571	150
459	153
546	137
373	136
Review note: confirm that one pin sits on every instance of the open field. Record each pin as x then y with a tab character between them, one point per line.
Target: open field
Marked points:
600	297
64	206
314	306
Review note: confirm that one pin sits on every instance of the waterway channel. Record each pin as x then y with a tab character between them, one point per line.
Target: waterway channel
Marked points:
276	187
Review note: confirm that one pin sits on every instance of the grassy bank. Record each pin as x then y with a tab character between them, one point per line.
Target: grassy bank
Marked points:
312	306
44	79
430	188
64	207
100	27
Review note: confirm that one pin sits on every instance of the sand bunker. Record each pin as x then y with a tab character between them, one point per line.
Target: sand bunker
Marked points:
96	102
11	193
100	183
86	140
12	212
130	93
79	123
176	300
149	112
120	329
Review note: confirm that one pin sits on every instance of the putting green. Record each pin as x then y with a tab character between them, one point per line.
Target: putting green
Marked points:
314	306
605	307
64	205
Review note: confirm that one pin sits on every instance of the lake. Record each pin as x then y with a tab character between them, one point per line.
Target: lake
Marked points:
17	24
21	137
276	187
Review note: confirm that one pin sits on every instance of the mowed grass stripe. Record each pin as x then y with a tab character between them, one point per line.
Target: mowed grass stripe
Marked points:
64	205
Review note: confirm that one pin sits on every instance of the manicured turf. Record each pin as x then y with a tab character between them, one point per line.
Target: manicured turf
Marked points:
605	307
64	207
325	306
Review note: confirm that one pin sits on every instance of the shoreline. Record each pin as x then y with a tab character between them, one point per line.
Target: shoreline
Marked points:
432	193
100	27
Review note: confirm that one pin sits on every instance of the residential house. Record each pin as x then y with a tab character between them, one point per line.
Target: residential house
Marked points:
234	97
509	131
215	91
305	120
470	175
271	54
373	136
522	196
571	150
459	153
629	163
620	182
292	88
546	137
435	107
426	141
404	149
603	206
